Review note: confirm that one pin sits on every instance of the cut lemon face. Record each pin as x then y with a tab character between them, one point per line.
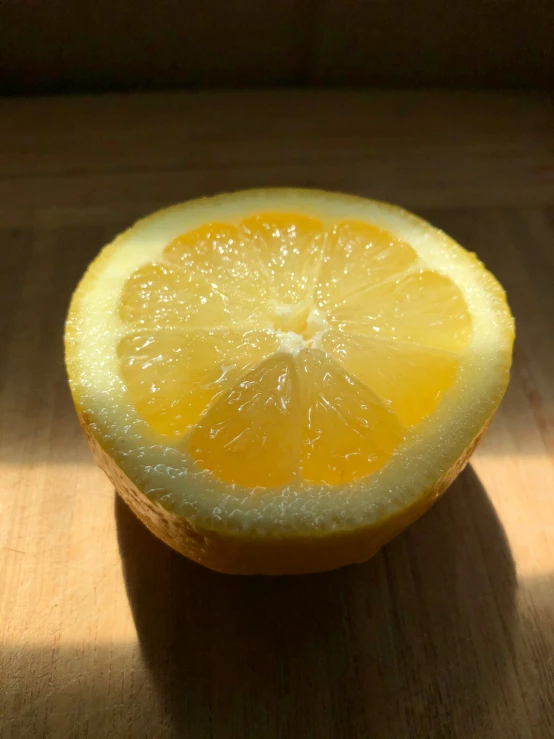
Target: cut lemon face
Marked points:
281	380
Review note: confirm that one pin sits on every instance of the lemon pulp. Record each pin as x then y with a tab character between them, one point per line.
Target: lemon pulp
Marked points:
281	347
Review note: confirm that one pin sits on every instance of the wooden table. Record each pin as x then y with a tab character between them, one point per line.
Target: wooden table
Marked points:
104	632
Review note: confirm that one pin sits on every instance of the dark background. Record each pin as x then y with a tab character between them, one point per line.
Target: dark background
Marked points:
72	46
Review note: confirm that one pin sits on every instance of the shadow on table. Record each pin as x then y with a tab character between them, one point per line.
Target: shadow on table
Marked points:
413	643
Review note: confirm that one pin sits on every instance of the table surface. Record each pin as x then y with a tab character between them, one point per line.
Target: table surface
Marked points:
105	632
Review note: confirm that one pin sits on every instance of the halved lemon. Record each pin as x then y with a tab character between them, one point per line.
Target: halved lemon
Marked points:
280	381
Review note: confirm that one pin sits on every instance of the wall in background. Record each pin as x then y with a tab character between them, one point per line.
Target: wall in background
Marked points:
63	45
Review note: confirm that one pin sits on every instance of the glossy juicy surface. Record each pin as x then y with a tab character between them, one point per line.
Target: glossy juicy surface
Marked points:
281	347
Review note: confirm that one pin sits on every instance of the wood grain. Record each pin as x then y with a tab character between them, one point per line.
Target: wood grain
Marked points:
104	632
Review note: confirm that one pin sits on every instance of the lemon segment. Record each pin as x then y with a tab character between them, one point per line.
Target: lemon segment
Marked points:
251	435
348	431
359	255
174	376
291	246
425	308
224	270
411	380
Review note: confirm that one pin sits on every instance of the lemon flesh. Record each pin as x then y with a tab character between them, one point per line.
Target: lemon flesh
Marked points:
286	375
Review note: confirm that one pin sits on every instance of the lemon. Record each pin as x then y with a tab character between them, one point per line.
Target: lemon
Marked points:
280	381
